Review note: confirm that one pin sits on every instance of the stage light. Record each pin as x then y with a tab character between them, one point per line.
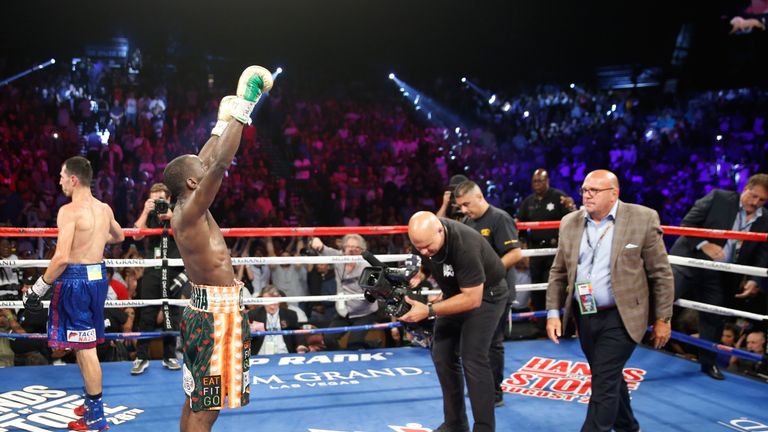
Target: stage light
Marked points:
416	101
526	114
463	79
402	90
53	60
492	100
277	73
457	130
719	137
55	135
506	107
613	107
572	85
391	76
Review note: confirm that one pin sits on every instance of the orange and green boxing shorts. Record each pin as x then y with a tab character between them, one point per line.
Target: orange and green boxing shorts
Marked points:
217	348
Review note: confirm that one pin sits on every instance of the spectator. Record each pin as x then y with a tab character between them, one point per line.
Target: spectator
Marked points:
349	312
274	317
755	344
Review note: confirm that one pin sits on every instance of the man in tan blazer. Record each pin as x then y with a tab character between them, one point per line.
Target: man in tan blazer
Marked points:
612	275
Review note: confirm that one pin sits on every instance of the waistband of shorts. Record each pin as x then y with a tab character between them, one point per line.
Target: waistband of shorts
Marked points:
80	271
217	299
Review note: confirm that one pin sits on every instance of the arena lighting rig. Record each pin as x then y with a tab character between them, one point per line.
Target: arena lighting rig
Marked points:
28	71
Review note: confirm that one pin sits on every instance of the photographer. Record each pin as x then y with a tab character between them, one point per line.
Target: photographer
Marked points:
449	209
471	277
348	312
157	214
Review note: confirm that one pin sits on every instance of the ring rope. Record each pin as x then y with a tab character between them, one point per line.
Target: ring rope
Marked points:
152	335
377	230
719	310
178	262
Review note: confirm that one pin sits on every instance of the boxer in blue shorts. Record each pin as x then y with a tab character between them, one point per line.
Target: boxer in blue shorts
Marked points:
76	314
79	278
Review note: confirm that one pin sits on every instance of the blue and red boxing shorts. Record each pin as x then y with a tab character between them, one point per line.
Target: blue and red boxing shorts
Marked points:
76	314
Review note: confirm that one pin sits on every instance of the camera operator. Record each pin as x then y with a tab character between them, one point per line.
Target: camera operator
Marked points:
150	284
472	279
348	312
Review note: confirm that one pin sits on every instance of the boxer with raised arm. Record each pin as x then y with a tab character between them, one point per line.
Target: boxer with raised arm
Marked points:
214	331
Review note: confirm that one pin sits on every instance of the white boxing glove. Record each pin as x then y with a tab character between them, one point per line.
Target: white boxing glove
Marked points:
224	116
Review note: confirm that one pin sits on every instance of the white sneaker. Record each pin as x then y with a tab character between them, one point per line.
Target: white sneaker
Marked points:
139	366
59	362
171	364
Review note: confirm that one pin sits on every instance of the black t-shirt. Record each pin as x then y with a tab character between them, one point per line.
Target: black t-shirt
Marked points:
548	208
498	227
155	240
465	260
154	251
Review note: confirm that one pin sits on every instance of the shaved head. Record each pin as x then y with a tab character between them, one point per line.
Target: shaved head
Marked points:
606	176
426	233
599	193
540	182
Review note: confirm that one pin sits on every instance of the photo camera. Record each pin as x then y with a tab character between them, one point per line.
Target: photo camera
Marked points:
161	206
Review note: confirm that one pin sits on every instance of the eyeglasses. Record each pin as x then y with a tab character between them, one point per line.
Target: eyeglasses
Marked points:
592	191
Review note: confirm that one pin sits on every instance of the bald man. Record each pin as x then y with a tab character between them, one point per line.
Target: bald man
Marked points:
611	273
472	279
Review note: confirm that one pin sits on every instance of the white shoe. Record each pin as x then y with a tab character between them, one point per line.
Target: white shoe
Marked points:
139	366
171	364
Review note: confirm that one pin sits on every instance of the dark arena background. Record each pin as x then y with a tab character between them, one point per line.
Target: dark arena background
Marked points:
376	107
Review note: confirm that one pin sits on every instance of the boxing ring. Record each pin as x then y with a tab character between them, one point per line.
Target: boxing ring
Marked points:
392	389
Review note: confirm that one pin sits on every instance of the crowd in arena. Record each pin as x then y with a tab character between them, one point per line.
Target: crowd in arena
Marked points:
352	160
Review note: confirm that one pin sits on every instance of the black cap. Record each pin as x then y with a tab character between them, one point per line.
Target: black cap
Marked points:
457	180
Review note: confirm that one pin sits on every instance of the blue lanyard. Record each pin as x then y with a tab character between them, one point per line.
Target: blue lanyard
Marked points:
597	245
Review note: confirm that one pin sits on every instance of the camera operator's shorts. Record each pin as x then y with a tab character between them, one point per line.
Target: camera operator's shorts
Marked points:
217	348
76	313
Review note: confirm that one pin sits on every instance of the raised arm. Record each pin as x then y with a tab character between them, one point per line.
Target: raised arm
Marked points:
217	154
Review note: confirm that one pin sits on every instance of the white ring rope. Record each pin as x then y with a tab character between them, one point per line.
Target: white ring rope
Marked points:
177	262
719	310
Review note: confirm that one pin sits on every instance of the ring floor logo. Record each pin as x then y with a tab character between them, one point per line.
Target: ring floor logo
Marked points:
564	380
744	424
38	408
330	378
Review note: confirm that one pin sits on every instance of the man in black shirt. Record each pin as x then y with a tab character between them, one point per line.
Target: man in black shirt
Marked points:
498	227
149	286
472	280
545	204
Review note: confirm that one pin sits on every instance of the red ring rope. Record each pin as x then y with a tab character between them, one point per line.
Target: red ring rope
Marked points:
377	230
